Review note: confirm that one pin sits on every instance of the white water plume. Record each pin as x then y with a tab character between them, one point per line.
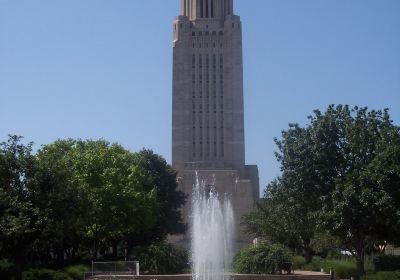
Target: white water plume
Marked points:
212	233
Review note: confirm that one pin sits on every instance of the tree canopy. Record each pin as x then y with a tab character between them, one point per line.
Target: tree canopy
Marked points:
73	198
340	176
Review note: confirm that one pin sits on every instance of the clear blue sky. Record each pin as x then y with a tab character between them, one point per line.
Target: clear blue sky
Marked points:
103	68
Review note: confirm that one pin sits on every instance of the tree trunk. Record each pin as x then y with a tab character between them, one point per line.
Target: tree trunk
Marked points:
360	262
308	255
60	258
308	252
95	250
128	247
115	250
19	264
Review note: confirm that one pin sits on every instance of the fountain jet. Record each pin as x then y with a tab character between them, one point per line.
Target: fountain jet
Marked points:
212	230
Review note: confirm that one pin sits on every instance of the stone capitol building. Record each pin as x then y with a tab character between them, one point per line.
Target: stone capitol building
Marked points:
208	115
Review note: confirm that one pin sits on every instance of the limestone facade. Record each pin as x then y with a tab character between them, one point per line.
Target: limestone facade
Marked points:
208	115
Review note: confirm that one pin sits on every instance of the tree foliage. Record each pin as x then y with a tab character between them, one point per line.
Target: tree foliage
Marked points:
113	186
21	217
281	218
340	174
73	198
161	258
263	259
159	176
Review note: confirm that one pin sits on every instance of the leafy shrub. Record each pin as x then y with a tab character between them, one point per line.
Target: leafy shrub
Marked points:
5	269
163	259
383	275
45	274
387	263
342	268
315	265
76	271
369	266
263	259
59	275
298	262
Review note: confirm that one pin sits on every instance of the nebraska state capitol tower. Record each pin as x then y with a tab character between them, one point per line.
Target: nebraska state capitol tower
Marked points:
208	117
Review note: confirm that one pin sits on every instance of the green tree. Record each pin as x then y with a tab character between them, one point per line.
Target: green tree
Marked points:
289	210
77	196
162	178
341	172
280	218
365	205
114	190
65	202
21	220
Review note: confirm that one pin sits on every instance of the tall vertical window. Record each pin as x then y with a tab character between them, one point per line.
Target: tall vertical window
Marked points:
221	75
193	69
201	8
194	105
214	61
212	8
225	5
207	70
214	75
200	70
221	113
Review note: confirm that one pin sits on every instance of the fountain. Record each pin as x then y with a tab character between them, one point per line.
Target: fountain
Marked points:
212	233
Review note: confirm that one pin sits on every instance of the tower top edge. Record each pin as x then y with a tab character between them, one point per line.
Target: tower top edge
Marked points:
206	9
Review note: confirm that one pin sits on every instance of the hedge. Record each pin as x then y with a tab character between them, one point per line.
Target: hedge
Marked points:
387	263
383	275
161	258
76	271
45	274
342	268
298	262
5	269
263	259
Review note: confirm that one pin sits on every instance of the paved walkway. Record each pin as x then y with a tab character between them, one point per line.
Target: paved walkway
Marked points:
303	272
